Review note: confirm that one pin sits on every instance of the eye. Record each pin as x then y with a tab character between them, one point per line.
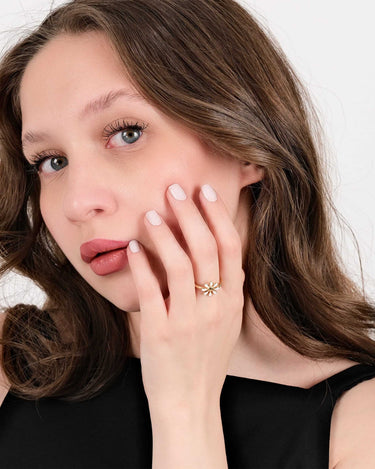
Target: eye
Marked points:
125	137
54	164
49	164
121	134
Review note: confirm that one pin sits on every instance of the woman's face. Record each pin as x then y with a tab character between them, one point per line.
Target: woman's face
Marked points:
99	177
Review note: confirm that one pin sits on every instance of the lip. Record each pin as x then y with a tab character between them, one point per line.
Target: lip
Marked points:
91	249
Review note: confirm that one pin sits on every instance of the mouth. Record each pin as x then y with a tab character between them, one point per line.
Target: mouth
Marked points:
99	247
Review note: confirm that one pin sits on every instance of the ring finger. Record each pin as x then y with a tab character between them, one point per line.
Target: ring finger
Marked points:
199	239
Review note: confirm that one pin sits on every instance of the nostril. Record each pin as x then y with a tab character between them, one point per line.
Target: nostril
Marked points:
86	199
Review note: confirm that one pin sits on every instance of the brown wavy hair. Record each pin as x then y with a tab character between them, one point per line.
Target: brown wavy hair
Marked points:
208	64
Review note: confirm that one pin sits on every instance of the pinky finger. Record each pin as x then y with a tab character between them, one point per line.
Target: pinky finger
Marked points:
151	302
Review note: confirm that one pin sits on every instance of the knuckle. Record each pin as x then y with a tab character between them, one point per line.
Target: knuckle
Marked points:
181	268
146	293
206	249
209	249
238	301
187	330
232	245
214	319
159	333
236	295
162	336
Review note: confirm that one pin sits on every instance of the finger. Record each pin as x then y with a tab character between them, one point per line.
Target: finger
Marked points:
178	267
199	239
227	238
151	301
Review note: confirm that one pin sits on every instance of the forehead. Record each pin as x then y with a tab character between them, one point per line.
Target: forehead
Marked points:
68	70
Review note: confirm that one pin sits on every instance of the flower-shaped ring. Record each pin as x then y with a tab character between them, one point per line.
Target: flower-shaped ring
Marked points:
209	288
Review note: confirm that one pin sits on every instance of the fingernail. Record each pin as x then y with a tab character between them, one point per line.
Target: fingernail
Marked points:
177	191
134	246
209	193
153	218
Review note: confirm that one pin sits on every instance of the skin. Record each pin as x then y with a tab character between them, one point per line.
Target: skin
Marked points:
197	339
186	339
97	195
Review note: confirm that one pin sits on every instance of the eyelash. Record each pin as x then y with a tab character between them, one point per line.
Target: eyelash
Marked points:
120	126
38	159
108	132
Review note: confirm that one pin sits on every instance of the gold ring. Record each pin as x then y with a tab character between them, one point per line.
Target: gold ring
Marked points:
209	288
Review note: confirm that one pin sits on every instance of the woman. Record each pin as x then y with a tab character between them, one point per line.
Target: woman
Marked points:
160	182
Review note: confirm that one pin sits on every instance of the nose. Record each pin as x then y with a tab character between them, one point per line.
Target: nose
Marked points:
88	192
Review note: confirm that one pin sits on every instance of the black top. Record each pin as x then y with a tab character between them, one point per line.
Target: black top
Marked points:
266	425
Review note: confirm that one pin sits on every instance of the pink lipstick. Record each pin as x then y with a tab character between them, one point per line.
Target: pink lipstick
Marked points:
105	256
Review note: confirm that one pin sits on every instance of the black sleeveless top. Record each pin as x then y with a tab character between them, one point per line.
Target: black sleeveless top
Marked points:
266	425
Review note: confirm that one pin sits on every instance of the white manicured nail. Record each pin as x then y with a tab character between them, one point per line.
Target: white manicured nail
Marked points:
153	218
134	246
209	193
177	191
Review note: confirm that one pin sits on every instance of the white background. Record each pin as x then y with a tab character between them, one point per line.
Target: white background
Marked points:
330	43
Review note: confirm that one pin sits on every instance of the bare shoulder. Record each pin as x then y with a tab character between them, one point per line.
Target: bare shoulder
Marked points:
353	429
4	386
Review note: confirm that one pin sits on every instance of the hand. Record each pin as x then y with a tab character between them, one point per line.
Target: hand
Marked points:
186	341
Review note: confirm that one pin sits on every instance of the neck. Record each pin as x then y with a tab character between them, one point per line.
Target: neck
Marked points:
259	353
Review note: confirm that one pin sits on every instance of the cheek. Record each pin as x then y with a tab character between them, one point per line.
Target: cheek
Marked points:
50	210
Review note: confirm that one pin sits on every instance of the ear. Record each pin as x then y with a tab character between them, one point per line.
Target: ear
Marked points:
251	173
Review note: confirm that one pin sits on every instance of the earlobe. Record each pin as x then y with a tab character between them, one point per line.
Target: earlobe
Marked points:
251	173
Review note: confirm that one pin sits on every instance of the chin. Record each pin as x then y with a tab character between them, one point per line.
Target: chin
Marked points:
129	305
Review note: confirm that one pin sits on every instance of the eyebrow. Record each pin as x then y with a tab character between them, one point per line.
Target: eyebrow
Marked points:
92	107
106	100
